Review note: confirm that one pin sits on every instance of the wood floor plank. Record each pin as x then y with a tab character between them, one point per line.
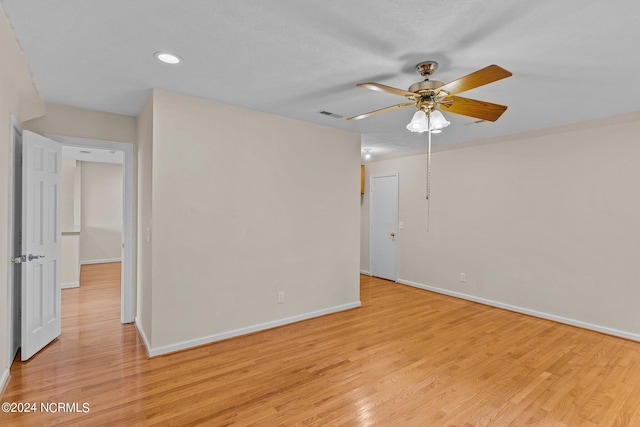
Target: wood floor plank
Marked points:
406	357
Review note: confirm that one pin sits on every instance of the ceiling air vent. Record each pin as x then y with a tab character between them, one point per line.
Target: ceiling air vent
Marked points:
330	114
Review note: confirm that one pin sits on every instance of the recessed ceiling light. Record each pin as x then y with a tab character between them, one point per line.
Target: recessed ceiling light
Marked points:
167	58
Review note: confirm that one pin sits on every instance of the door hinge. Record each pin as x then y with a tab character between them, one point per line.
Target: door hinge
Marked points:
19	259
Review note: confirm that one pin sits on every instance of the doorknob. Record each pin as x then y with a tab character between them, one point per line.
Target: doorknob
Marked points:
32	257
393	234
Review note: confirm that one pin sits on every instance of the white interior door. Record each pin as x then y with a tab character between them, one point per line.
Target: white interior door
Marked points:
41	242
384	226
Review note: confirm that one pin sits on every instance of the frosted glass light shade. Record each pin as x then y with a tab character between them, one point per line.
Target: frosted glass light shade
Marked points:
418	122
438	121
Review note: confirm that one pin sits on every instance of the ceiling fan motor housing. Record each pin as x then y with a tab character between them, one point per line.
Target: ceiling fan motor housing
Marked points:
428	91
427	87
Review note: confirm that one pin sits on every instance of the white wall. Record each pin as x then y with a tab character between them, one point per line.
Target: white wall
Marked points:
544	222
246	204
70	256
78	122
67	202
144	251
70	260
101	212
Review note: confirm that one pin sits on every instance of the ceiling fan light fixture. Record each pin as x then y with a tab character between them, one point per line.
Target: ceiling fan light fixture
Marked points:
438	121
418	123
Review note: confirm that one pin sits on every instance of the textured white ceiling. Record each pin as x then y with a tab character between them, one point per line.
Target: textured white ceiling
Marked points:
571	60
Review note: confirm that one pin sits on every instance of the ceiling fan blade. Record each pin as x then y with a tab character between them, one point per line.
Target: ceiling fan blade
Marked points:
383	88
478	78
472	108
382	110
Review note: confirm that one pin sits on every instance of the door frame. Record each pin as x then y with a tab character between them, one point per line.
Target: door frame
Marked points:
127	291
14	129
371	196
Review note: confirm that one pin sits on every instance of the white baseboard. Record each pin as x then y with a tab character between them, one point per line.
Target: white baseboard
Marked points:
540	314
365	272
100	261
143	336
70	285
243	331
4	380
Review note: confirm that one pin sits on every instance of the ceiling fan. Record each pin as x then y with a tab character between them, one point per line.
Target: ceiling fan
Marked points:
428	95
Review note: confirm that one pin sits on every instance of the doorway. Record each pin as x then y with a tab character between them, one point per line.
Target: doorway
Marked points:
127	303
14	288
91	210
383	261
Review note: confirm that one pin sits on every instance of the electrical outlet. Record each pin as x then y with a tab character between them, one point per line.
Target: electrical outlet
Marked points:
463	277
280	297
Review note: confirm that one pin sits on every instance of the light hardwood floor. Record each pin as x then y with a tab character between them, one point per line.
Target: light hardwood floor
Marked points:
407	357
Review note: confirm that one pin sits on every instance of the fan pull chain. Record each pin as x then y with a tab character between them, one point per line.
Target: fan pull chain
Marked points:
428	169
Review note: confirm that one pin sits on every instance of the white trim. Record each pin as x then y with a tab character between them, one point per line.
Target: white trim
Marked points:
11	352
100	261
371	177
4	379
127	299
365	272
145	341
243	331
515	308
70	285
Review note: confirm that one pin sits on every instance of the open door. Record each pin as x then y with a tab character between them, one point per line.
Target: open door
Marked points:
41	242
